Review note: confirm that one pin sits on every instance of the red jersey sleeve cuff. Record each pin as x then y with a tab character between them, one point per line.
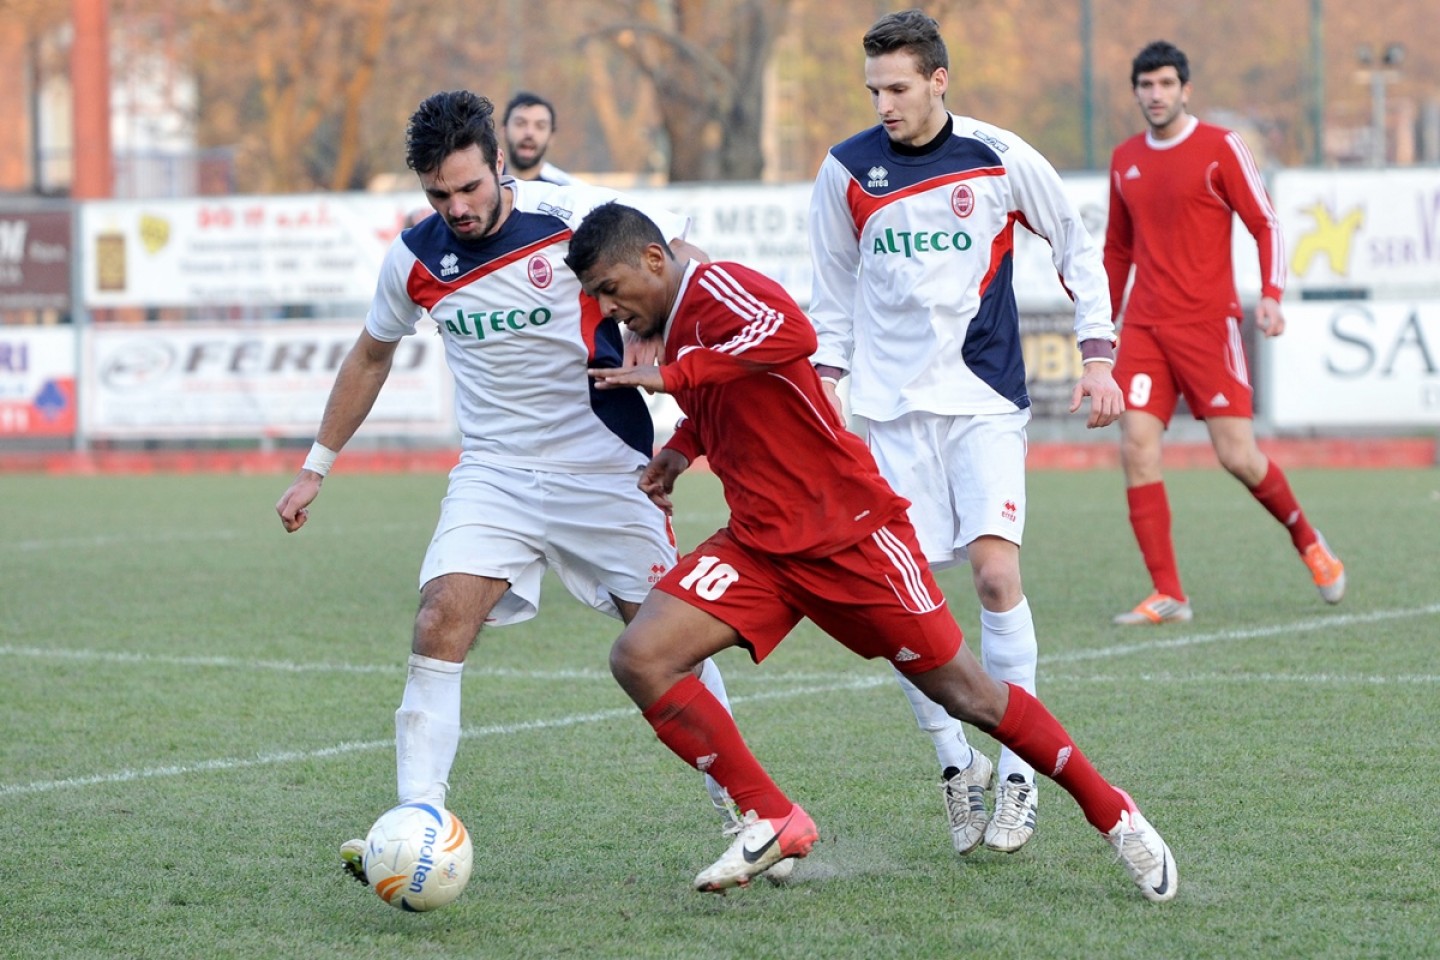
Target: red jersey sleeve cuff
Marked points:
670	376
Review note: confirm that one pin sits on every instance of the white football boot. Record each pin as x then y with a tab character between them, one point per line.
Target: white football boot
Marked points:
964	796
1144	853
761	844
1013	823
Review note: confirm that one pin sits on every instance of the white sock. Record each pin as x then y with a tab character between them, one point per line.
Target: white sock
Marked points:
427	729
710	677
1008	651
947	733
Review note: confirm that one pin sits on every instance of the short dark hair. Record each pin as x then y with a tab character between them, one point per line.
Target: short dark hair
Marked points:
914	31
1157	54
613	233
527	99
448	122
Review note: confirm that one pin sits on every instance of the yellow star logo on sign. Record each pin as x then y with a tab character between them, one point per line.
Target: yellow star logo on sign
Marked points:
1330	239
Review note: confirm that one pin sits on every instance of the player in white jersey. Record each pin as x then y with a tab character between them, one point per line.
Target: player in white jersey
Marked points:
911	233
549	469
529	125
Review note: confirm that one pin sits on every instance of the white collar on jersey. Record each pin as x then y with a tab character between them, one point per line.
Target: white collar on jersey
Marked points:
1174	141
690	267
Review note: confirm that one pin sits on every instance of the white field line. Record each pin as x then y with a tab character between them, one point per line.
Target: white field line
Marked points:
1309	625
284	666
1173	642
342	749
1307	679
853	683
189	536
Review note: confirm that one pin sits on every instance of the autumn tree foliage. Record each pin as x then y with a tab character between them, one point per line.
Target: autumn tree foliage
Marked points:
704	64
315	94
287	82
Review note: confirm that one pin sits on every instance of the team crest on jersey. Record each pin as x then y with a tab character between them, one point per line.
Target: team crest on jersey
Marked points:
962	200
879	177
541	273
449	265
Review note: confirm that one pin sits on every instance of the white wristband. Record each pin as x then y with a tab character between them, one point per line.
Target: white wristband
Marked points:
833	381
321	459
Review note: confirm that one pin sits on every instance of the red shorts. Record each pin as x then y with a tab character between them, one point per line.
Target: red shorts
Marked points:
877	597
1204	361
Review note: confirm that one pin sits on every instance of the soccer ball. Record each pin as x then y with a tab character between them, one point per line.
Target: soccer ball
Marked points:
418	856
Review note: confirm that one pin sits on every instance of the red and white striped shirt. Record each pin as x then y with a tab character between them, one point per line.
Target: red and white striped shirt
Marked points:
737	361
1172	206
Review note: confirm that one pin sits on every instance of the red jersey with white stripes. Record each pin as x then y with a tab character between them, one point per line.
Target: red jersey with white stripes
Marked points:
737	361
1172	206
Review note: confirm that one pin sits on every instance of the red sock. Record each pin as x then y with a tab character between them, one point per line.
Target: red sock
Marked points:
1038	738
1150	519
692	723
1275	495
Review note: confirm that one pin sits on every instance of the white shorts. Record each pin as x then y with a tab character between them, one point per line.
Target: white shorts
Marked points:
963	475
600	534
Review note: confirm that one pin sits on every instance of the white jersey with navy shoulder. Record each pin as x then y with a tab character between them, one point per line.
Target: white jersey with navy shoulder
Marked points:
913	260
519	333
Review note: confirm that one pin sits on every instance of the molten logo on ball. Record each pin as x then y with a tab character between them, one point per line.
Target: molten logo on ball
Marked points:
418	857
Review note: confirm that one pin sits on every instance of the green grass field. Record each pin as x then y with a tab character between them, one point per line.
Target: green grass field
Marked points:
198	708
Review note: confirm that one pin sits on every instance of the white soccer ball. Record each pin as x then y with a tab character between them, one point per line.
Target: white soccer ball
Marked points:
418	856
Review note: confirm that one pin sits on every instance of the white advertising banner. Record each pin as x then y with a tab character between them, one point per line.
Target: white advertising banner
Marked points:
37	381
212	251
327	248
1374	230
1356	363
272	379
762	226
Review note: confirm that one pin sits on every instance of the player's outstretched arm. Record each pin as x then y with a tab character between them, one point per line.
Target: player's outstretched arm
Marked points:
646	378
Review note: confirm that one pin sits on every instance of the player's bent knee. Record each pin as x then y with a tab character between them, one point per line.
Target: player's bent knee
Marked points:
624	664
440	636
636	655
998	592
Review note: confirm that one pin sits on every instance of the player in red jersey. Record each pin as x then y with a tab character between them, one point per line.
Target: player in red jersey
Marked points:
1174	192
814	531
